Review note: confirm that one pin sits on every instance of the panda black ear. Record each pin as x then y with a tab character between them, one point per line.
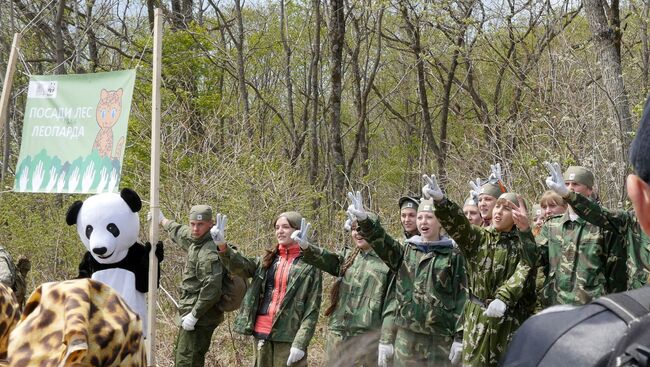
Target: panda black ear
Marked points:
132	199
73	211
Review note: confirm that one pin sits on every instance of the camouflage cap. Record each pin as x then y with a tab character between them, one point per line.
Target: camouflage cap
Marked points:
492	189
408	202
511	197
201	212
426	206
294	219
639	156
580	175
470	201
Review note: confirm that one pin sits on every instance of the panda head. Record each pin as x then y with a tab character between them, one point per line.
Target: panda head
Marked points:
108	224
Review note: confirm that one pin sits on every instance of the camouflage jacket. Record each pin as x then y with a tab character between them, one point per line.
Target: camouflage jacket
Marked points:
202	276
295	321
363	290
496	268
430	286
634	242
495	264
574	255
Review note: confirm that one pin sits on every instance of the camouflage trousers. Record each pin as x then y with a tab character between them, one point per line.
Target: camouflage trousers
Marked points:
415	349
191	346
274	354
359	350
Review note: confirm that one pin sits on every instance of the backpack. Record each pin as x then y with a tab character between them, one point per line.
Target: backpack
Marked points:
613	330
233	290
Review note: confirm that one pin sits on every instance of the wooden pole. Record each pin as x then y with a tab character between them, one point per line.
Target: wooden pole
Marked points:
155	181
6	94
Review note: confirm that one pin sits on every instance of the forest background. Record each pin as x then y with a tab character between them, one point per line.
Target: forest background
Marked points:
281	105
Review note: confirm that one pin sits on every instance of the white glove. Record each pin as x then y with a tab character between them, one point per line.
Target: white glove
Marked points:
555	181
356	206
218	230
495	175
347	226
300	236
384	354
188	321
295	355
476	189
455	352
161	216
431	188
496	308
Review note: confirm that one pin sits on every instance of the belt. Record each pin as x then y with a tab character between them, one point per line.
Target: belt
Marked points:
483	303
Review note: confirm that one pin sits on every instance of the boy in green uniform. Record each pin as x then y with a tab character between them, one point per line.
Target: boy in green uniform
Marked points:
501	288
581	260
200	286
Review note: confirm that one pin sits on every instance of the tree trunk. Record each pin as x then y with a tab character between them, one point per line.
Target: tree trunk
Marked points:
241	74
336	36
313	124
607	40
58	36
93	54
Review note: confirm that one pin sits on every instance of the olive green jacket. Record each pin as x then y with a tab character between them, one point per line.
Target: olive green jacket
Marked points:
202	276
363	290
430	286
295	321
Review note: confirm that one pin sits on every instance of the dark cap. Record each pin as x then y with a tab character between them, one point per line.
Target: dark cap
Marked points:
579	174
294	219
408	202
639	150
201	212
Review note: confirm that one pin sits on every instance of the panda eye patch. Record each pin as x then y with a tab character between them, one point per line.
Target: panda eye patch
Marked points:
111	227
89	230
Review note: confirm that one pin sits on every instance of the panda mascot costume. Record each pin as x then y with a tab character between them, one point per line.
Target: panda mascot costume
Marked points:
108	225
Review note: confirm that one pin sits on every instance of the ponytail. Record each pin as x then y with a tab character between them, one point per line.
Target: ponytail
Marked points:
334	291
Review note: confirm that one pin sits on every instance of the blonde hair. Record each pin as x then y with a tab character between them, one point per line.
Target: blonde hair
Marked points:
551	196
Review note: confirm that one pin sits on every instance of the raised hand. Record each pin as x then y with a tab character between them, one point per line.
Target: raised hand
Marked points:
73	181
431	189
356	206
495	175
52	182
24	178
300	236
103	180
348	222
476	188
89	177
113	182
218	231
37	176
555	181
519	215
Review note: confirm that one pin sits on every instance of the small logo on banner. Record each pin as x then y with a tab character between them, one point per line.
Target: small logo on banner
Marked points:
42	89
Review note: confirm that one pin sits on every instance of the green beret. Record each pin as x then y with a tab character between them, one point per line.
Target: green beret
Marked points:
201	212
426	206
408	202
294	219
580	175
470	201
511	197
491	189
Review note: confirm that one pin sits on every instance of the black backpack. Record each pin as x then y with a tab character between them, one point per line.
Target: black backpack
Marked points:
613	330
